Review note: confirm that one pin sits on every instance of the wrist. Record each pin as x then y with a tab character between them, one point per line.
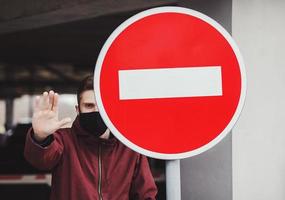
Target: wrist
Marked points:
44	143
39	137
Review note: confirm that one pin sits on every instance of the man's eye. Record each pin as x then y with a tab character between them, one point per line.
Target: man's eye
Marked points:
89	106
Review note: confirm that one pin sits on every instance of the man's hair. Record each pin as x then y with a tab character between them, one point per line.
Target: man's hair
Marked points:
84	85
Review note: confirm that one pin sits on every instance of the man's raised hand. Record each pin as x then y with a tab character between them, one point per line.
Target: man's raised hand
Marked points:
45	118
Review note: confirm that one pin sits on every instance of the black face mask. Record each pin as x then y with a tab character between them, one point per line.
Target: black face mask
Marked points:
92	123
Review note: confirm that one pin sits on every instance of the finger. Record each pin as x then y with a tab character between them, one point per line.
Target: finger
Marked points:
51	97
37	104
44	101
55	102
64	122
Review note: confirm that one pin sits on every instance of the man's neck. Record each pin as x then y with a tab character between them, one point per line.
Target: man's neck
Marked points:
106	135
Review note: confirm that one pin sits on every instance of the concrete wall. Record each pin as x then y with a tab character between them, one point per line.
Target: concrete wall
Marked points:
259	138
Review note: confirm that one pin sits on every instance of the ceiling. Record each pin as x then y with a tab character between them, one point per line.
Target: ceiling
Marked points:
54	57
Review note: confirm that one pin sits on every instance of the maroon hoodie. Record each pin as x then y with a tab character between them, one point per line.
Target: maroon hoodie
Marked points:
88	168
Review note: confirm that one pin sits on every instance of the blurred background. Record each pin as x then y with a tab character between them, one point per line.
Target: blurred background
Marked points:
53	44
47	45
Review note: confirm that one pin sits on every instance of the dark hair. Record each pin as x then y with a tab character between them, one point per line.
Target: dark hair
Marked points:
85	84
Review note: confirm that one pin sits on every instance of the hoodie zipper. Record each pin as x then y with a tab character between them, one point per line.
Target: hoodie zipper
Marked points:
100	173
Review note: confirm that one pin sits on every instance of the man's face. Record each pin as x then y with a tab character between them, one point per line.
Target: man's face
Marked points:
87	102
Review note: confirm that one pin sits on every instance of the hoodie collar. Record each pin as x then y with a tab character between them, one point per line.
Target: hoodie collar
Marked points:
83	134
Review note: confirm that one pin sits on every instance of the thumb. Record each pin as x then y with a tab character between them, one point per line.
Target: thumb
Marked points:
64	122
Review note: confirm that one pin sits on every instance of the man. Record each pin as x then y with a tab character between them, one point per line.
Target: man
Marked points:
87	161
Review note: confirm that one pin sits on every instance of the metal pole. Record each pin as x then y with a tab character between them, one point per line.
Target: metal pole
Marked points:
173	184
9	113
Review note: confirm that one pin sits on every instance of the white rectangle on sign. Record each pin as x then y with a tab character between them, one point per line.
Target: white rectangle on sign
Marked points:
170	82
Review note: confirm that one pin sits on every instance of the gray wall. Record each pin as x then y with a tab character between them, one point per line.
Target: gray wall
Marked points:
208	176
258	137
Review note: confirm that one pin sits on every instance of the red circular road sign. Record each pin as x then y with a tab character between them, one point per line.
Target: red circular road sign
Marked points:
170	82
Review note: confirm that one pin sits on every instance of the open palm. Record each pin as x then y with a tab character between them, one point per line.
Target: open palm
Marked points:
45	118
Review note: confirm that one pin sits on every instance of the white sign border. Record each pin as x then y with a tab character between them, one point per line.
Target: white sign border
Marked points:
113	36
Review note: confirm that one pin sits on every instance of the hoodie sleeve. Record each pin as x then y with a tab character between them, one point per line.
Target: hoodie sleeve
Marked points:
143	186
43	156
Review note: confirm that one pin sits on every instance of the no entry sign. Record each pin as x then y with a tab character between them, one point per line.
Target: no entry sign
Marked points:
170	82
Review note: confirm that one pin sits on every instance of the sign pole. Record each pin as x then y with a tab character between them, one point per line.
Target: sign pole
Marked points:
173	184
